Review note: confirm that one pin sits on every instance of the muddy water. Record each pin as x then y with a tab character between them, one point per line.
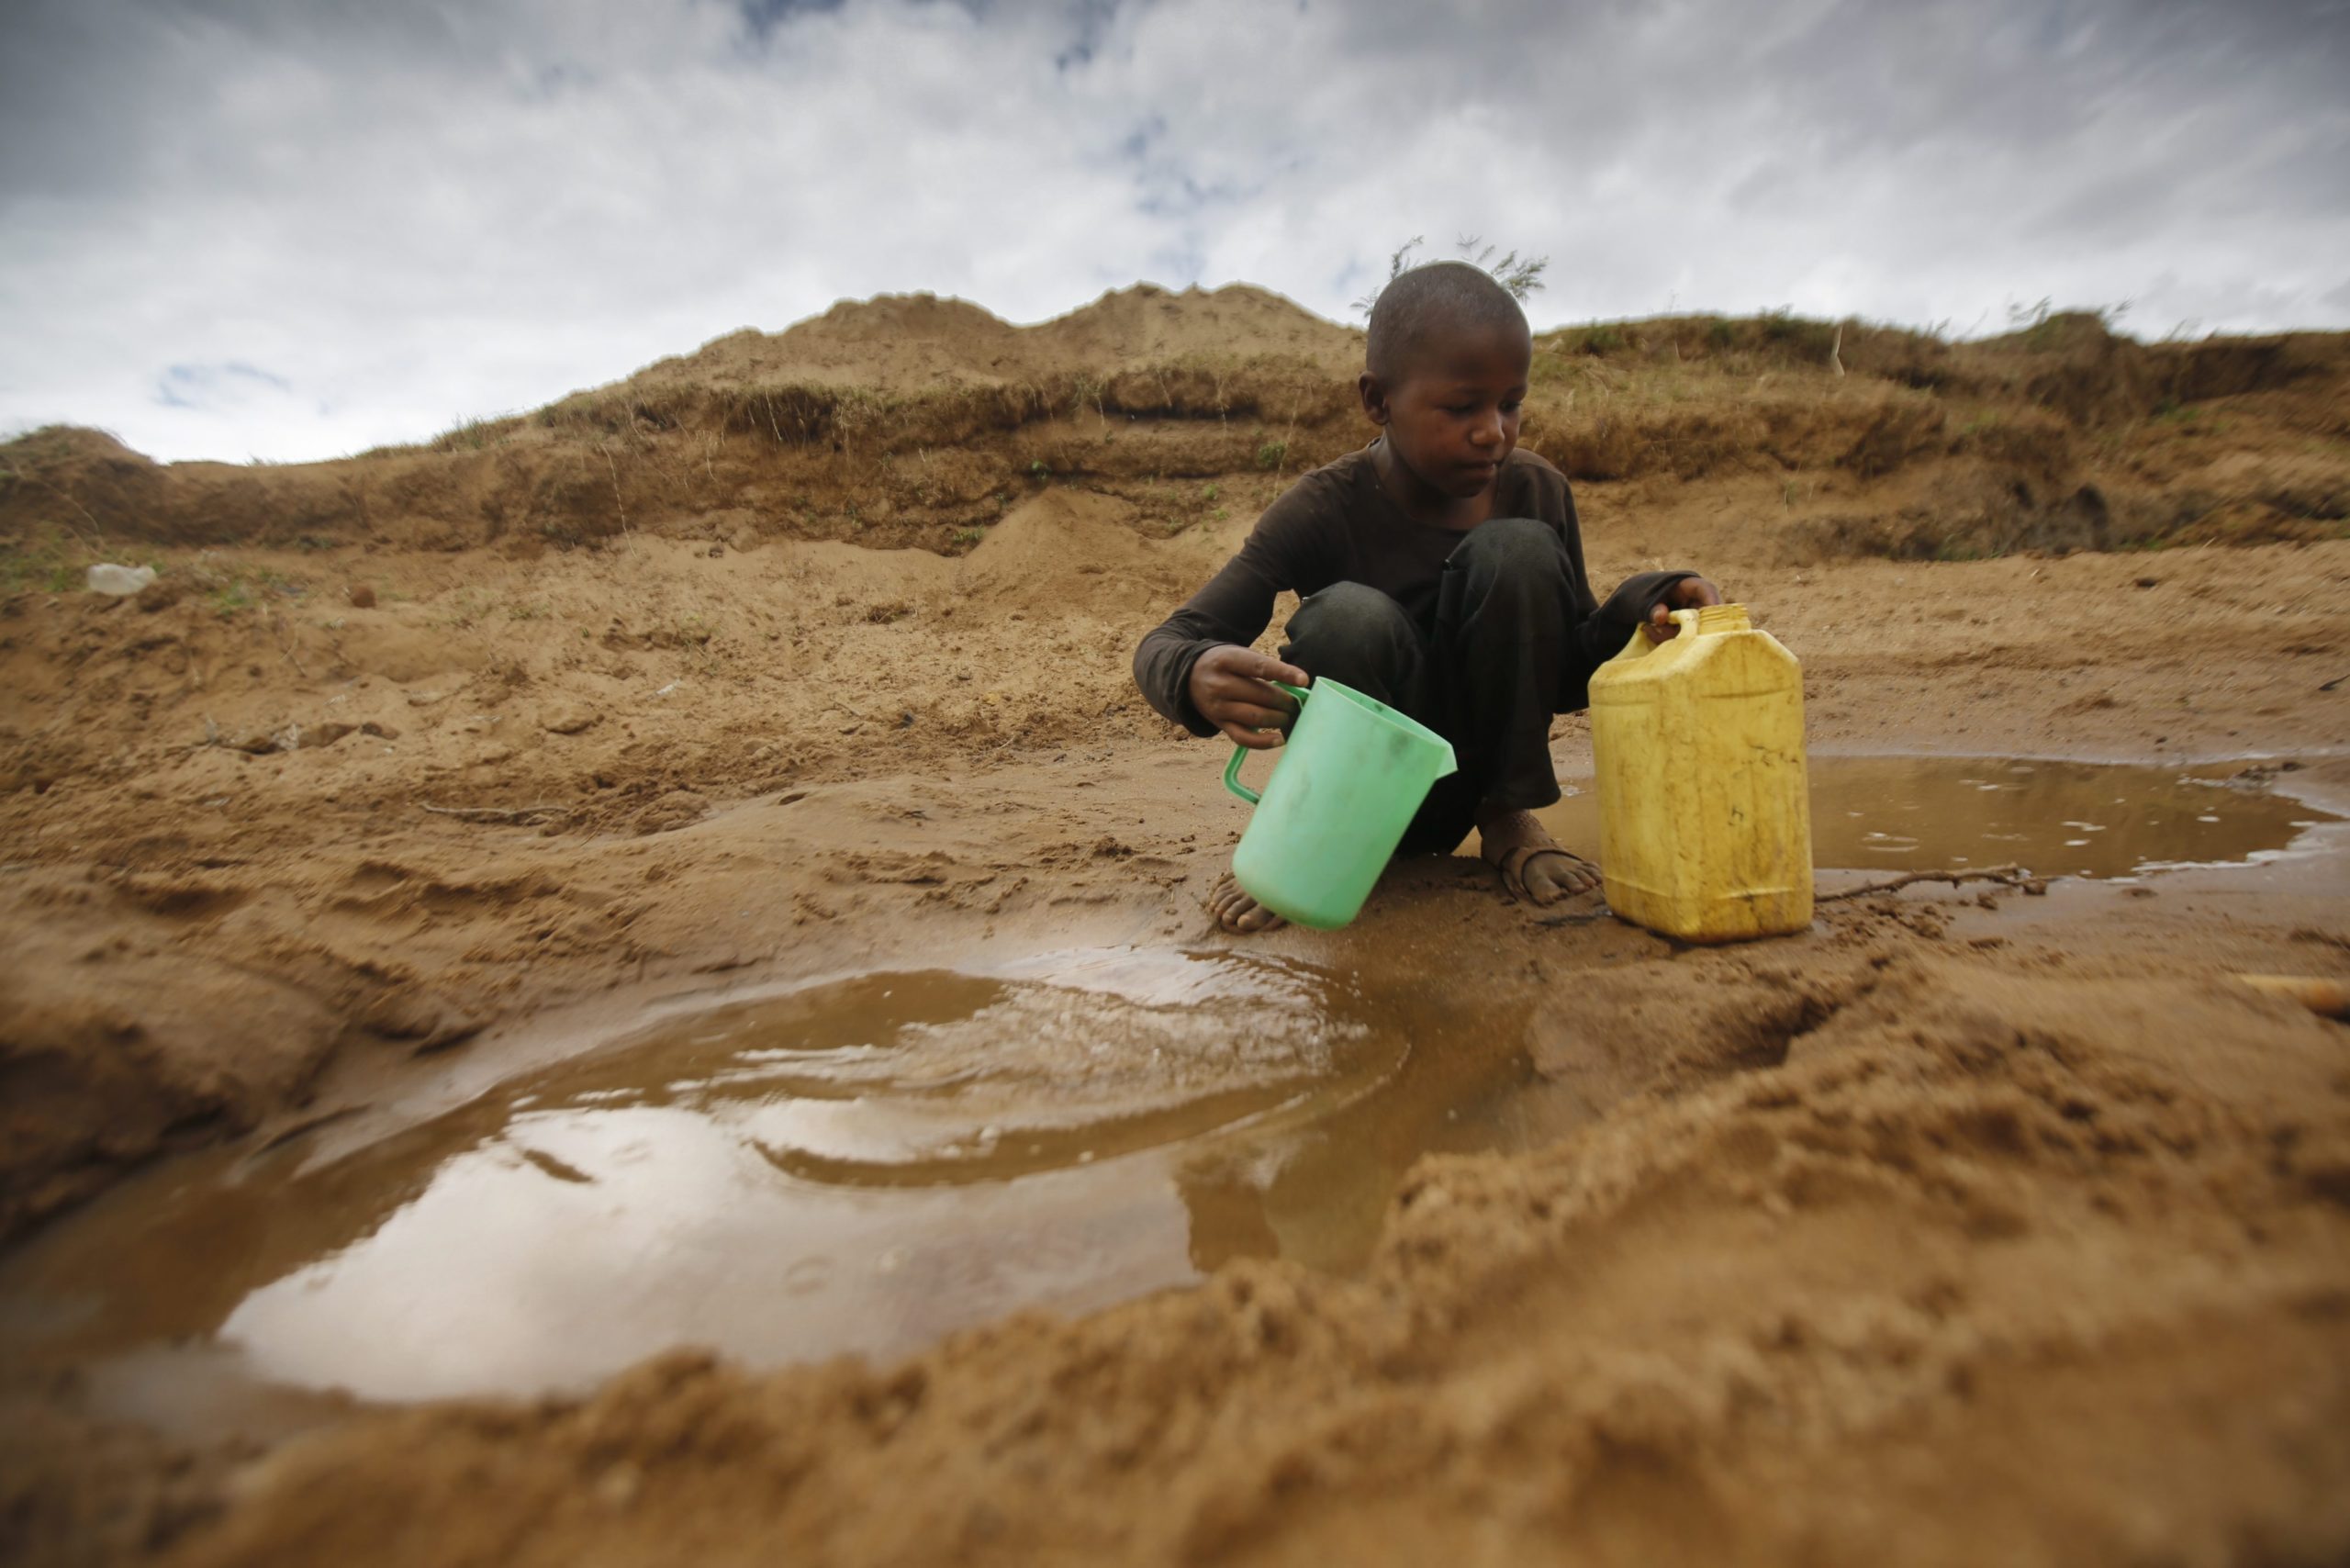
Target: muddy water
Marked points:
866	1164
857	1166
2057	819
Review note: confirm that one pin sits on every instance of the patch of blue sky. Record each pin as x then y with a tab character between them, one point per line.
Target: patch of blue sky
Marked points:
209	385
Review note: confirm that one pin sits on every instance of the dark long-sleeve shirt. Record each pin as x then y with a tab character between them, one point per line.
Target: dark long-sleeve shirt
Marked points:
1339	524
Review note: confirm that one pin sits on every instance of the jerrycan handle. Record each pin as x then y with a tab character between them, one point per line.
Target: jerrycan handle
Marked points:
1240	752
1710	618
1642	644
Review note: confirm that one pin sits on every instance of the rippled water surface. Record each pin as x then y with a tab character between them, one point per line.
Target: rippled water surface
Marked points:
861	1165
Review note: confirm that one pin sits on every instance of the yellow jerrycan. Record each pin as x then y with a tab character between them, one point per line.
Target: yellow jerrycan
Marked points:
1705	816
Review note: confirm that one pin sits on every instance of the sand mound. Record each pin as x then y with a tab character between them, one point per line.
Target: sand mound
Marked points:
1066	547
910	342
910	339
1144	325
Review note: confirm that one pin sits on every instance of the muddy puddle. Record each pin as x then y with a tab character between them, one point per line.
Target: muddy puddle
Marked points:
865	1164
2056	819
857	1166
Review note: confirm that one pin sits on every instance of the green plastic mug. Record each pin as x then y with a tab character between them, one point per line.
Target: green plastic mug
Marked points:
1351	778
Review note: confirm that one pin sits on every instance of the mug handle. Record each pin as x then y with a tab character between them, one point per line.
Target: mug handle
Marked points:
1240	752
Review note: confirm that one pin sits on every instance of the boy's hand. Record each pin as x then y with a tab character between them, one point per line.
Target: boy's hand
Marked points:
1229	689
1689	593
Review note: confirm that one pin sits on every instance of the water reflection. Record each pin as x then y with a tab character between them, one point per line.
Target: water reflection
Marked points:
1904	814
855	1167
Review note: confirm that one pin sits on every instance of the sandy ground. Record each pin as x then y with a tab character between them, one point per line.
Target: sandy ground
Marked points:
1963	1227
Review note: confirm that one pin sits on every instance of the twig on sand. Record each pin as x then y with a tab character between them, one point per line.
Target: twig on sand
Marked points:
1580	917
521	816
285	645
2325	997
617	504
2006	876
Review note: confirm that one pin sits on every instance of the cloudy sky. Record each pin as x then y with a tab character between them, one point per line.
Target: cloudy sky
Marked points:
287	229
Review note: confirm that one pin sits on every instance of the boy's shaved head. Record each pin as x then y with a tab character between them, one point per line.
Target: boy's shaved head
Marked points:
1443	301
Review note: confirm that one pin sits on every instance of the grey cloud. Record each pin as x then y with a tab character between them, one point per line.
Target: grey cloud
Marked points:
415	213
764	17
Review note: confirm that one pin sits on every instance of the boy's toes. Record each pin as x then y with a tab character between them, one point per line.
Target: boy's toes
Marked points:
1237	911
1545	874
1554	874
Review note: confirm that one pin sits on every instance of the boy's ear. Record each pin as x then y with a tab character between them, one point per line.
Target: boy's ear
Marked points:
1373	393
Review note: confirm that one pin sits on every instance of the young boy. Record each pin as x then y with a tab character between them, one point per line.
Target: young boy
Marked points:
1442	574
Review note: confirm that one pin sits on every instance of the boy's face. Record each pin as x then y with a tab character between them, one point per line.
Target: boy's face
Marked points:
1452	417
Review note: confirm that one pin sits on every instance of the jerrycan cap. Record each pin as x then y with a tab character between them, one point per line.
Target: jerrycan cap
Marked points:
1712	619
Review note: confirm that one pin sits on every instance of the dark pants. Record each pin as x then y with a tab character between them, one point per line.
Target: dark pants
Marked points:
1486	675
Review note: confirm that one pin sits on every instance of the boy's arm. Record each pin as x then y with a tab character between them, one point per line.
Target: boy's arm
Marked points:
1295	544
1604	631
1235	607
1603	635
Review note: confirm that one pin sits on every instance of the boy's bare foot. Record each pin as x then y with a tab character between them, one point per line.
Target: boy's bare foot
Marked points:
1532	864
1237	911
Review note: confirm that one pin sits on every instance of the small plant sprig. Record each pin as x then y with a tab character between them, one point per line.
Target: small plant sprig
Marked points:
1521	276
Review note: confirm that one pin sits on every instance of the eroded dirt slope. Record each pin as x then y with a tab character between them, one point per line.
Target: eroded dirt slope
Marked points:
911	421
